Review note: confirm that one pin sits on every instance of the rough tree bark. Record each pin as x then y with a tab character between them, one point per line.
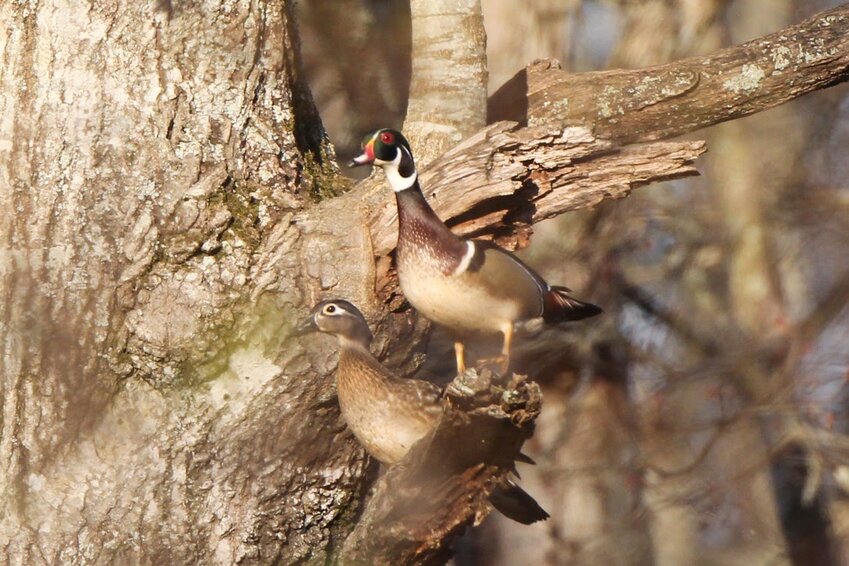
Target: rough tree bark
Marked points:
148	412
158	169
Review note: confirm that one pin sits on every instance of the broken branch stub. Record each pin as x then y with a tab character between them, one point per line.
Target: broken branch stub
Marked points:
444	483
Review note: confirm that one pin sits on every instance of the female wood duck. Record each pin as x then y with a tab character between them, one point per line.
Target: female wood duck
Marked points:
469	286
388	414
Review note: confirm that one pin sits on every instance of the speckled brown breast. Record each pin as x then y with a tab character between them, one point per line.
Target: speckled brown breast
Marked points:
386	414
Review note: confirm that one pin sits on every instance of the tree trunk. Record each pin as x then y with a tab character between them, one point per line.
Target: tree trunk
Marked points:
447	101
149	410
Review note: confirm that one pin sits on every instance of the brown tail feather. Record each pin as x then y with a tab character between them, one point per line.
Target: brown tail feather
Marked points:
515	503
560	306
520	457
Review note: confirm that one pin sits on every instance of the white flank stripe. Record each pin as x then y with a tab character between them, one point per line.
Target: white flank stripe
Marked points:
467	259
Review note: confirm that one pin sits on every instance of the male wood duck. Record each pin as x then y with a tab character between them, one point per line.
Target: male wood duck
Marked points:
388	414
469	286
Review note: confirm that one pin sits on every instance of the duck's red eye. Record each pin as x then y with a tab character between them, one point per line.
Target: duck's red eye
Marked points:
387	137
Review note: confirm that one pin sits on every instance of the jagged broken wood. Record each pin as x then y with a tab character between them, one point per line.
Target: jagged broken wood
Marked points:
505	178
444	483
496	184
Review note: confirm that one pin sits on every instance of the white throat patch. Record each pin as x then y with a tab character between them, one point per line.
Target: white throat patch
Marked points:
396	181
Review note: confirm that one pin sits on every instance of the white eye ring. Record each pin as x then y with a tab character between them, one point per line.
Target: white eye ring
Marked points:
329	309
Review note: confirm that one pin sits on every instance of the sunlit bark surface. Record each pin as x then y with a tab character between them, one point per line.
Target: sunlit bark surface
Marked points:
150	412
447	102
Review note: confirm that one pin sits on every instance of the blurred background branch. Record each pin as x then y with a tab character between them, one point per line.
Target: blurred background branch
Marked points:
689	94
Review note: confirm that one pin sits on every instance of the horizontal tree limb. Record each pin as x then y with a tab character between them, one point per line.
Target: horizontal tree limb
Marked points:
505	178
495	184
669	100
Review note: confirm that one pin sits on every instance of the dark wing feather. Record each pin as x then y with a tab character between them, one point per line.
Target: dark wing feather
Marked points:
558	304
524	458
515	503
